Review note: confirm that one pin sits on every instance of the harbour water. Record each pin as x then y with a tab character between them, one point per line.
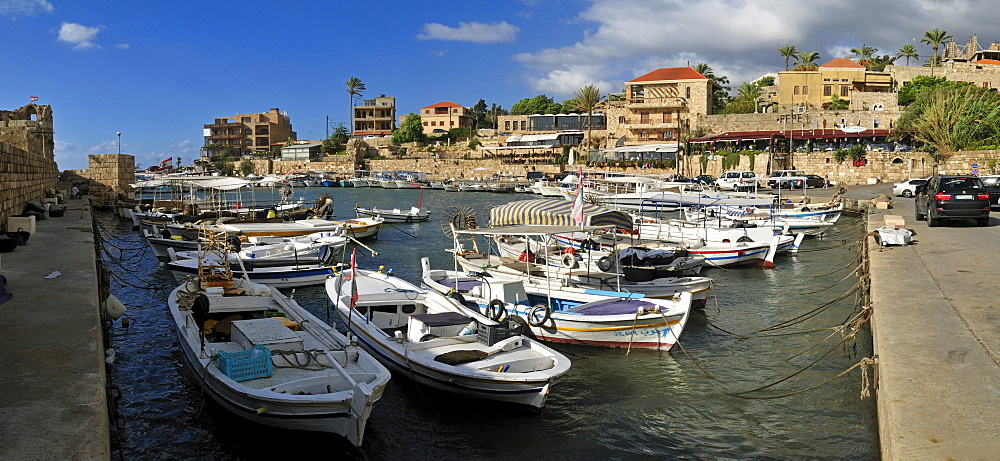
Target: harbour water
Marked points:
689	403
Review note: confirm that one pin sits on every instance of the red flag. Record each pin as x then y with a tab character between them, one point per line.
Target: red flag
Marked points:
578	204
354	278
34	98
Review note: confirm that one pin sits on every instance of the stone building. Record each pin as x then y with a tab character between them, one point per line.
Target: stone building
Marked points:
375	117
246	133
30	128
659	106
815	89
443	116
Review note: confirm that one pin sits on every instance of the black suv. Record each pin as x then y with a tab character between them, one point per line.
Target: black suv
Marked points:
952	197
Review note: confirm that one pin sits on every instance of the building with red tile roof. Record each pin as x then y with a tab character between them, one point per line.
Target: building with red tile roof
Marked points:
443	116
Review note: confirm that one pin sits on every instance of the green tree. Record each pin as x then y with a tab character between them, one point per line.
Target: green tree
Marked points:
411	130
479	114
864	55
787	52
953	117
806	60
745	101
495	111
540	104
921	83
838	104
765	81
246	167
935	38
908	51
355	87
878	63
588	99
337	140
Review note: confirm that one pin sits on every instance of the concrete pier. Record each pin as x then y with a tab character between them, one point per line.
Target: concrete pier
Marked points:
53	403
936	330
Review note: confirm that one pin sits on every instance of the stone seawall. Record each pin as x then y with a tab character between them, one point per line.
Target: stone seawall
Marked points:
24	177
877	167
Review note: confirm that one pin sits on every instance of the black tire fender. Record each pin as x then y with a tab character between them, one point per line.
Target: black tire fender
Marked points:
495	310
539	314
604	263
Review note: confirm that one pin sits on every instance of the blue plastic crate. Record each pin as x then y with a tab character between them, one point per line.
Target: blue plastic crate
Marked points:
249	364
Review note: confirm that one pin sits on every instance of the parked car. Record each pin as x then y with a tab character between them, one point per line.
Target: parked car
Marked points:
992	183
736	180
815	180
952	197
789	184
705	179
908	188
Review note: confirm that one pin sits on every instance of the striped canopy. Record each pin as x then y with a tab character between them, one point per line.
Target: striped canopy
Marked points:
547	212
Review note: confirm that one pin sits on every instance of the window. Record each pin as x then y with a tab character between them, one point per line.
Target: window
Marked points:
687	92
805	90
451	123
506	125
668	117
425	123
797	90
827	90
621	119
844	90
246	119
248	131
524	124
644	117
427	111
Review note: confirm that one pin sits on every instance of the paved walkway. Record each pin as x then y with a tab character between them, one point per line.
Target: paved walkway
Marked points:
936	329
52	397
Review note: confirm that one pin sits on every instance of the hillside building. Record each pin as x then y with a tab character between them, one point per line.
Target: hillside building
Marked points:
443	116
246	134
375	117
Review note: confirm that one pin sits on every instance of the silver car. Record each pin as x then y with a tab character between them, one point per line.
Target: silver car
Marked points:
908	188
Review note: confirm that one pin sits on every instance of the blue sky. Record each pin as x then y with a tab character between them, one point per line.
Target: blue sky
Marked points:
158	71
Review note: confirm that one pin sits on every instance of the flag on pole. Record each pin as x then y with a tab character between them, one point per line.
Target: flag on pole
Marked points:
167	164
353	278
34	98
578	204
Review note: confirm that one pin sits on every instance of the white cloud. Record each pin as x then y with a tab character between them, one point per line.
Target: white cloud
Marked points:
622	39
475	32
14	8
81	36
122	46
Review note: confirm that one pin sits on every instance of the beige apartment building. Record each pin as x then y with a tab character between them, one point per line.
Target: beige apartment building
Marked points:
375	117
246	133
657	106
443	116
799	91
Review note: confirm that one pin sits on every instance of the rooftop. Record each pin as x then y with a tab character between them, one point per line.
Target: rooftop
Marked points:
842	62
670	73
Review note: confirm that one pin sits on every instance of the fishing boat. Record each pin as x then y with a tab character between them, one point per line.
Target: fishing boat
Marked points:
538	277
305	274
439	343
263	357
608	319
414	214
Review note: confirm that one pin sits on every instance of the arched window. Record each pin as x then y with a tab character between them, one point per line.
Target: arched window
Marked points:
805	89
621	119
796	90
897	160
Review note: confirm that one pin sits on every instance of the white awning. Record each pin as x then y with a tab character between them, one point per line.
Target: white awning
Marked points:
661	148
514	138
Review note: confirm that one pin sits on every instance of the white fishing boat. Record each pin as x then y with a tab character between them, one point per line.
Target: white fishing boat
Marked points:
605	319
321	246
414	214
438	343
720	246
263	357
310	273
538	276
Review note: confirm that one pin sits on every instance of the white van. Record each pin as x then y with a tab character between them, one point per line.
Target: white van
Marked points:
737	180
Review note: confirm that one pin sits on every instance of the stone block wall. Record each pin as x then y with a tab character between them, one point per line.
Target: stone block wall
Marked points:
24	177
109	174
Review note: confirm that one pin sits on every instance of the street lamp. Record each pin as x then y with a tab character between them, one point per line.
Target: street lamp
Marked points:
119	143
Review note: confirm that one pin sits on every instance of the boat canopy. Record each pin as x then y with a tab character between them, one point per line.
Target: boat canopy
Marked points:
219	183
547	212
530	230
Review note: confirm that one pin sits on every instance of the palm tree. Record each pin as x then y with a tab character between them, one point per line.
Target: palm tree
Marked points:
908	51
806	60
787	52
588	99
354	88
864	54
935	38
703	69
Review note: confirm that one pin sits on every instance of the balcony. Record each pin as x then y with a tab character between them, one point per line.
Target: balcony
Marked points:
224	126
653	126
643	103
